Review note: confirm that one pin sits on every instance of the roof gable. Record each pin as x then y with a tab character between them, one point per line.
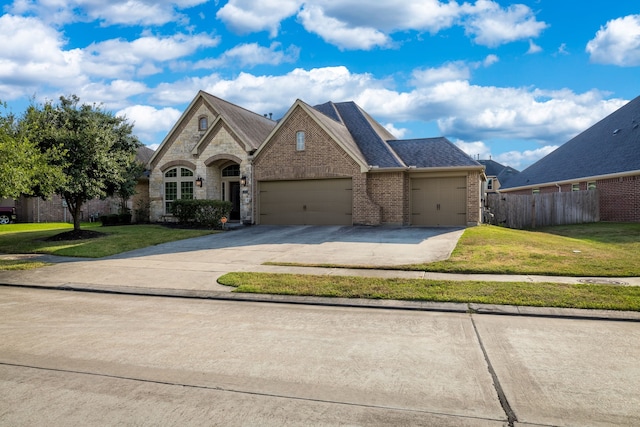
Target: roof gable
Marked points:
609	147
335	129
250	128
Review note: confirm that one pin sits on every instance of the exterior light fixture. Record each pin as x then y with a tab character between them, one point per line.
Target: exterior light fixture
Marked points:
199	182
243	181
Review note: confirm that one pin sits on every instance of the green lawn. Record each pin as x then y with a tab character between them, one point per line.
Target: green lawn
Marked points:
31	239
583	296
601	249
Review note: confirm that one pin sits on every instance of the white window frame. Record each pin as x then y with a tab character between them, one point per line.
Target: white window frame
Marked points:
184	180
300	140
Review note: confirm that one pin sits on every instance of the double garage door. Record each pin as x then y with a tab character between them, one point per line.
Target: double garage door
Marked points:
306	202
437	202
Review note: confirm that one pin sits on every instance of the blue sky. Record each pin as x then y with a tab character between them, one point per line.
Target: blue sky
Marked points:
510	80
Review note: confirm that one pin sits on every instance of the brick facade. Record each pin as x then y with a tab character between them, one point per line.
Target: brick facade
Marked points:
321	158
378	197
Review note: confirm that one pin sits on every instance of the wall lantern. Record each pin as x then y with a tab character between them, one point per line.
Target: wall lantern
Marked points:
199	182
243	181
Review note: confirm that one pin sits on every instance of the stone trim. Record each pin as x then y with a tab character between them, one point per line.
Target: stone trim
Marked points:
175	163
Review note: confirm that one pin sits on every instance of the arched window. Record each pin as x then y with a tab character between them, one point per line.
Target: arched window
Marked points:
233	170
202	123
178	184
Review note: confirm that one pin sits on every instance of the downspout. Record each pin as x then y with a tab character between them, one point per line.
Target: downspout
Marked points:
559	188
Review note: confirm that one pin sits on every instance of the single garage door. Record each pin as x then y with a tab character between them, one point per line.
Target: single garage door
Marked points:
437	202
306	202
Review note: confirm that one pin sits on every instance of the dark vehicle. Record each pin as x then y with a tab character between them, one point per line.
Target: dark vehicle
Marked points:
7	214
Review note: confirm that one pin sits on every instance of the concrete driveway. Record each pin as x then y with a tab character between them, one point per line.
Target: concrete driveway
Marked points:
197	263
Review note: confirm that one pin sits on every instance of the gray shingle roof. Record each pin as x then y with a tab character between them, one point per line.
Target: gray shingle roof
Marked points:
500	171
610	146
252	128
369	136
431	153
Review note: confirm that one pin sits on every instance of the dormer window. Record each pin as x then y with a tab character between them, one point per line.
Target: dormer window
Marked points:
203	123
300	141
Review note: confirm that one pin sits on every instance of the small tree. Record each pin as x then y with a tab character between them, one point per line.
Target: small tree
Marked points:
98	149
23	166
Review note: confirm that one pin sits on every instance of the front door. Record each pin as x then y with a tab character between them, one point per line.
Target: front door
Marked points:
234	198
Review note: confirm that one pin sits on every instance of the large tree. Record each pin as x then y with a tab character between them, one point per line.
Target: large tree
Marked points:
23	166
99	149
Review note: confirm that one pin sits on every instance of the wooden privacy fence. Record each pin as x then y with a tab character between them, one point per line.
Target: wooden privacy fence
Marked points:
543	209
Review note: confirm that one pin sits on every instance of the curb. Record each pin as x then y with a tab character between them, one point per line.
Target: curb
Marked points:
429	306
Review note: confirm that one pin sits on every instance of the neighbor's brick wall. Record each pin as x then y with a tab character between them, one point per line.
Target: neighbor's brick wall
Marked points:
619	199
34	209
322	158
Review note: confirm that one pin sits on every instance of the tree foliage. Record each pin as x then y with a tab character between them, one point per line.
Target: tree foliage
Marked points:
98	150
23	166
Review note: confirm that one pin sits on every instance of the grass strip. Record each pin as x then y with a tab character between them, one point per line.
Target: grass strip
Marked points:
28	240
15	264
584	296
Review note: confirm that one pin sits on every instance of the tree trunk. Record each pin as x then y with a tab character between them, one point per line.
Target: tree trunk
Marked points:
74	207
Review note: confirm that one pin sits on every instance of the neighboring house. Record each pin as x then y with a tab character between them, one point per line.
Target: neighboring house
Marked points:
54	209
605	157
207	155
329	164
496	174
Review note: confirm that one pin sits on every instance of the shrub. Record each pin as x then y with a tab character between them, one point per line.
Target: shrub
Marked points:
205	213
115	219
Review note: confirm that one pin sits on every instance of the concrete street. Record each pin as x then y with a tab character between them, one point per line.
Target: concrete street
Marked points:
167	345
76	358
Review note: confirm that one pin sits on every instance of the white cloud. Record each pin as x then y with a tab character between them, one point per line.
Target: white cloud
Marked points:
617	43
149	121
32	54
452	71
356	24
340	33
399	133
533	48
490	60
252	54
247	16
522	159
476	149
490	25
113	12
118	57
392	15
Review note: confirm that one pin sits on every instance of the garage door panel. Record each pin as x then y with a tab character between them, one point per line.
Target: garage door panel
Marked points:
306	202
439	201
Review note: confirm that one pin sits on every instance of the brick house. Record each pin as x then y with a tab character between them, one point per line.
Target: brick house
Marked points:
207	155
605	157
328	164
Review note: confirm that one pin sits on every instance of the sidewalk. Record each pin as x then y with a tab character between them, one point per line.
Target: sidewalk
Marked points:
196	279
